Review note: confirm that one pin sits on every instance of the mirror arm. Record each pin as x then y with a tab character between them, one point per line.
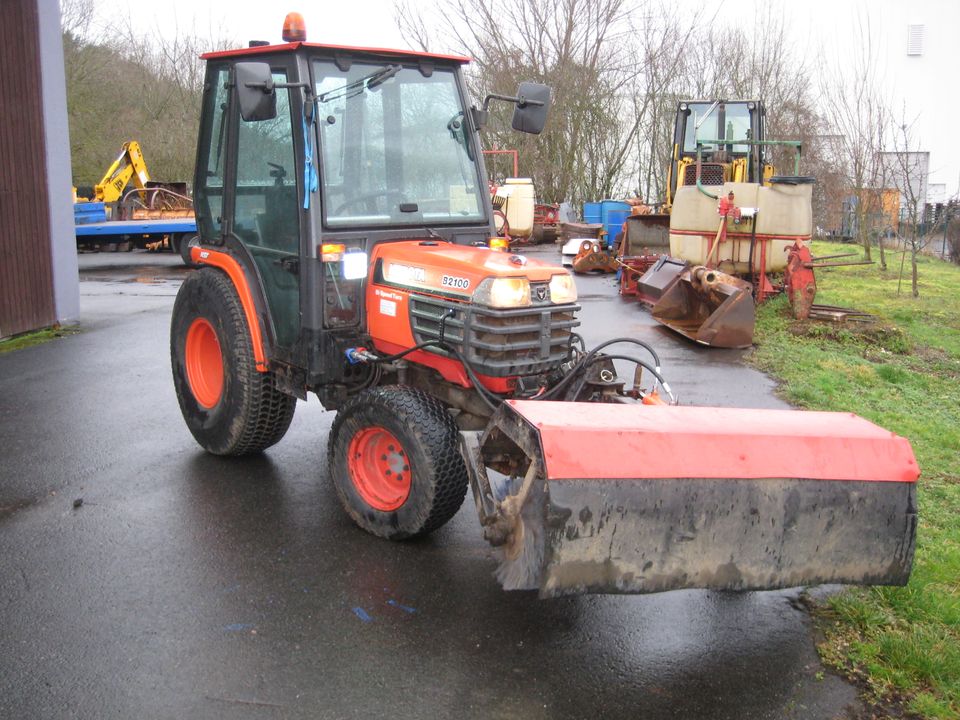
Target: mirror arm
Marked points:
521	101
481	116
270	85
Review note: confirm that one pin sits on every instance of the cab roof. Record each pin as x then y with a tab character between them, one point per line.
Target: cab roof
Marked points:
294	46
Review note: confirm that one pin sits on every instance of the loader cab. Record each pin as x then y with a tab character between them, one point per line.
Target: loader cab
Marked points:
728	121
308	156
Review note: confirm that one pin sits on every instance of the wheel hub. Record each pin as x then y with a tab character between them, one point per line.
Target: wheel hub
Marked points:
379	468
204	361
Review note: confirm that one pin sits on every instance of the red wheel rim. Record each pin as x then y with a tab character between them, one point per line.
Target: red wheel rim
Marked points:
379	468
204	363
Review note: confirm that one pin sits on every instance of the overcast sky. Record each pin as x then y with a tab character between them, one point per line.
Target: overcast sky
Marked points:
358	22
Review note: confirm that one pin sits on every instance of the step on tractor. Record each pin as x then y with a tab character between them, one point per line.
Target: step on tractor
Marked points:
344	219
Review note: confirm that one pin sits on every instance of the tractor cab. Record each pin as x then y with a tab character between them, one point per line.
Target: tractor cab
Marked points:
310	155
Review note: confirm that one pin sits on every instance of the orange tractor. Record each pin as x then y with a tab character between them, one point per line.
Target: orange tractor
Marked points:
343	217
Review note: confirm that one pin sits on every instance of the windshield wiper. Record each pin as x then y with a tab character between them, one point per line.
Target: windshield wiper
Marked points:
367	82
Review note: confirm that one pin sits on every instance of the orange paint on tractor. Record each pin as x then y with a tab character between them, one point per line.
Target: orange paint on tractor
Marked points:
231	267
440	270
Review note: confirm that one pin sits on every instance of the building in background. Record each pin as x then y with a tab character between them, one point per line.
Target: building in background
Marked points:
39	284
909	174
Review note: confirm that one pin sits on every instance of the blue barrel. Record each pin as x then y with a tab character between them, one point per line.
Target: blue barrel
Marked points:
593	213
614	224
613	214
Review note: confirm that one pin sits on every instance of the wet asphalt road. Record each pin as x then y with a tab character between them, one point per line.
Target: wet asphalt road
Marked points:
188	586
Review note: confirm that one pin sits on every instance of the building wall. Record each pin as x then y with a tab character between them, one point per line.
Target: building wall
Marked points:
63	242
38	283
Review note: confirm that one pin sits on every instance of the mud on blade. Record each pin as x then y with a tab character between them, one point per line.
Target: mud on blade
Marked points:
636	499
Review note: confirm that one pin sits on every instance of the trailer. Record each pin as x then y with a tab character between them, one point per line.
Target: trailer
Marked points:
139	233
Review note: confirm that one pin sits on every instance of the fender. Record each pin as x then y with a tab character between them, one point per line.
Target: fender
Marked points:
225	262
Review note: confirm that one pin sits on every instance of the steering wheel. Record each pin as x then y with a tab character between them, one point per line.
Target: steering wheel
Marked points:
385	193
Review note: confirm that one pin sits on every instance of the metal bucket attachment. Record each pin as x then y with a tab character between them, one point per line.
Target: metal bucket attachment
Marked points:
709	307
659	279
607	498
593	256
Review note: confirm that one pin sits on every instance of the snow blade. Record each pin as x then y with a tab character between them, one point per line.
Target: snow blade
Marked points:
611	498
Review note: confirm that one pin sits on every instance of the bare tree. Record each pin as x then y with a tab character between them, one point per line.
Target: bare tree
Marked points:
125	84
908	169
857	110
617	69
581	48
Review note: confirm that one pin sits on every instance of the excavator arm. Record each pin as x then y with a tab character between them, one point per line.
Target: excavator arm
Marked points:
128	166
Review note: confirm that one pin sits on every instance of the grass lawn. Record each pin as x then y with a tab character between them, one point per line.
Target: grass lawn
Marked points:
903	373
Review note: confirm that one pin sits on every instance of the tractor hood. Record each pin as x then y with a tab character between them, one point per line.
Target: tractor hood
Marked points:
445	268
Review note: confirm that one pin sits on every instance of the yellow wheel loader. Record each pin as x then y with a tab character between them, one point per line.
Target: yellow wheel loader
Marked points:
726	215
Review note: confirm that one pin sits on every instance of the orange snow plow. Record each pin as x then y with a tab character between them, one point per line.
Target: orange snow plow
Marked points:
688	497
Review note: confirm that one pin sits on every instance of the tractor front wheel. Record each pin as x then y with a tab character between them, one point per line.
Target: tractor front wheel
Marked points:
395	460
229	407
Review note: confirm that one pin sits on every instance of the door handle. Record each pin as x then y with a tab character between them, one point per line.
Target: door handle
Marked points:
290	264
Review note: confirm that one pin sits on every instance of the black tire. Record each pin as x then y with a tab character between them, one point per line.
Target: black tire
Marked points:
248	414
184	243
437	476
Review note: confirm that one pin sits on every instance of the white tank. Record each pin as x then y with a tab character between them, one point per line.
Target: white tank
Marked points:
784	215
519	199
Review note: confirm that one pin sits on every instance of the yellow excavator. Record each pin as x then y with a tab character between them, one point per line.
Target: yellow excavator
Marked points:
148	214
128	166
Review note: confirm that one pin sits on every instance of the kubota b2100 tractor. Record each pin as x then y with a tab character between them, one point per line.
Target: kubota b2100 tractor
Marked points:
343	217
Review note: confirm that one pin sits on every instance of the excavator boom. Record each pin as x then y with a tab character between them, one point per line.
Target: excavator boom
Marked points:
128	166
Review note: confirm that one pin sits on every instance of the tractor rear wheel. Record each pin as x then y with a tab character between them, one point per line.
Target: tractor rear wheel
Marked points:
395	460
184	244
229	407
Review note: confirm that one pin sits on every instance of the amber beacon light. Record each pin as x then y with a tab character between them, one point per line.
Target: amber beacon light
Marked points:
294	28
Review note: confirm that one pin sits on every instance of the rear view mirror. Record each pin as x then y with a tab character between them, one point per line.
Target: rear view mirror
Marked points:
533	102
255	91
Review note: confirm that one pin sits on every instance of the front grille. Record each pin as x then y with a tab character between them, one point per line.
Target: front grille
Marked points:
710	174
498	343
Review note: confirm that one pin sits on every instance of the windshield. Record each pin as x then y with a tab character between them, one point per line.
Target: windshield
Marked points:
395	147
726	121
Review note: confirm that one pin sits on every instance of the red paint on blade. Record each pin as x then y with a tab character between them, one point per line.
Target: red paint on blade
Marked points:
597	440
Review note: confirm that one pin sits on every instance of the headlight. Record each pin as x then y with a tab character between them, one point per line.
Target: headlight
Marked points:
563	289
503	293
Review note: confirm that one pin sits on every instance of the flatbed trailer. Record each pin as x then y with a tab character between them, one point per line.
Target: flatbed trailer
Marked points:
139	233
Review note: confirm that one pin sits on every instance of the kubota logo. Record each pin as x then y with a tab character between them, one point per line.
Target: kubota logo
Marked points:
406	273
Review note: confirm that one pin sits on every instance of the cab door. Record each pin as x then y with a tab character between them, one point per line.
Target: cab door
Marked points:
265	213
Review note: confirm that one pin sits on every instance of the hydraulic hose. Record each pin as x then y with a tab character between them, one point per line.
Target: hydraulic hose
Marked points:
486	395
586	359
629	358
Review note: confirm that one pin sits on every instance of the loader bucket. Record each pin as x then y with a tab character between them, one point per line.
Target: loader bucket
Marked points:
659	279
610	498
593	256
709	307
